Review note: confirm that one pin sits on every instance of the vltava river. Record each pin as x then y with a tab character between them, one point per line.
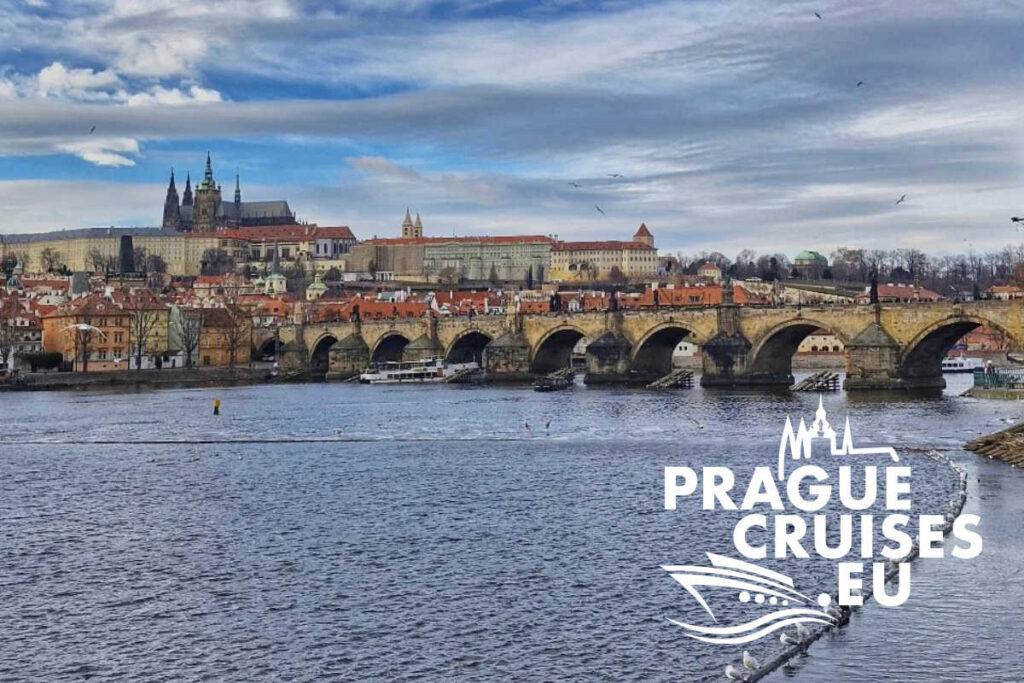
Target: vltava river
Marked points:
340	532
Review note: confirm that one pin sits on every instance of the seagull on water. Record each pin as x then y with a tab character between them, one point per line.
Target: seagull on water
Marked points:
788	640
749	662
803	632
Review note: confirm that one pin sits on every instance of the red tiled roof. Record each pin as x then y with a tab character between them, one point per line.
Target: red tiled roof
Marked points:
30	283
642	231
268	233
485	239
608	245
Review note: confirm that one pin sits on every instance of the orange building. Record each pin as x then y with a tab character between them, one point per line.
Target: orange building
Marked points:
225	337
91	332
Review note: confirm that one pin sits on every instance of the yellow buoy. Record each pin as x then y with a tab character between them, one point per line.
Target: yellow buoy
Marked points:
216	406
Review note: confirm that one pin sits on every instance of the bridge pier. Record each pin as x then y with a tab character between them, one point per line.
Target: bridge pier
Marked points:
507	358
874	361
348	357
608	360
293	358
421	348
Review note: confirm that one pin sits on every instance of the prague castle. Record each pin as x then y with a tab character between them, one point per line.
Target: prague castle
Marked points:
205	212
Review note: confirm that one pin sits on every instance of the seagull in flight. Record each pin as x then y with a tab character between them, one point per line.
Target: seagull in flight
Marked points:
860	83
599	209
576	185
92	130
614	175
901	199
1017	219
817	15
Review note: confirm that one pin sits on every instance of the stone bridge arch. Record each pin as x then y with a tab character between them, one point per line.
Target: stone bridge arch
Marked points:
553	351
921	359
771	356
651	355
389	347
320	353
468	346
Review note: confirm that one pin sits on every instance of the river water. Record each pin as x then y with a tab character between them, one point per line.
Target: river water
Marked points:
340	532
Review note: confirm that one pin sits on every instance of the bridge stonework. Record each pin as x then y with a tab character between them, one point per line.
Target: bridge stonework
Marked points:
889	346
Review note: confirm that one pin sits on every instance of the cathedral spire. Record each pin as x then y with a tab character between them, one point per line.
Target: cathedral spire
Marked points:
238	189
208	183
186	196
172	214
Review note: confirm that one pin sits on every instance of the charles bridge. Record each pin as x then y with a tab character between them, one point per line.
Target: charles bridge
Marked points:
888	346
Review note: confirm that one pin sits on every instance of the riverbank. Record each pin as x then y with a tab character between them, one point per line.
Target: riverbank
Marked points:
165	378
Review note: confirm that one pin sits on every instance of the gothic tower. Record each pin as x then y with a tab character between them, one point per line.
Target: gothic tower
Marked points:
172	214
407	225
410	229
236	219
186	196
206	202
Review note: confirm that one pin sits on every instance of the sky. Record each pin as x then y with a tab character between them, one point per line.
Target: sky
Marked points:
721	124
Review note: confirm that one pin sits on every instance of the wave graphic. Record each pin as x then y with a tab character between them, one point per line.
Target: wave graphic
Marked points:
739	575
754	635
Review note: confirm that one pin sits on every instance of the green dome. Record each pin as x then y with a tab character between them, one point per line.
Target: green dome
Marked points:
810	256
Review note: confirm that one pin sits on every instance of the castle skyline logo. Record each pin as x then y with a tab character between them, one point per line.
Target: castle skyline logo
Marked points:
770	599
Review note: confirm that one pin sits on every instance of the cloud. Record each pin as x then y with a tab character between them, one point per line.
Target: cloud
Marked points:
172	96
59	81
732	123
103	151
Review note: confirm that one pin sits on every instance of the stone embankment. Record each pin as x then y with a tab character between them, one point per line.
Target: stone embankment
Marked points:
125	379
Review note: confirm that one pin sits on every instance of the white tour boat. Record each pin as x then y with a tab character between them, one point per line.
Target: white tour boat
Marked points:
962	364
430	370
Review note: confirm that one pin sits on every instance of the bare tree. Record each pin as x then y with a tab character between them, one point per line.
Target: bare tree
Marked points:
50	258
189	326
82	335
143	319
97	259
238	331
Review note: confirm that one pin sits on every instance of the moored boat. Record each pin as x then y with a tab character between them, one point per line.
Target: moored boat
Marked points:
552	384
962	364
420	371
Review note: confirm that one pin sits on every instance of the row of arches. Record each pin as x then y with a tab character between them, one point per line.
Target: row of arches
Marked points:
653	355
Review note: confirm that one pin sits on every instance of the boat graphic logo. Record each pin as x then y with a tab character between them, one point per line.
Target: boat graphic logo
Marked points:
750	582
754	583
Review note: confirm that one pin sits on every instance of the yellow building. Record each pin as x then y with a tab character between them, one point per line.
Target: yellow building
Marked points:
611	259
84	249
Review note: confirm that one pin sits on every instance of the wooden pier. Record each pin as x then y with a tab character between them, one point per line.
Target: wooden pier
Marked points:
680	378
825	380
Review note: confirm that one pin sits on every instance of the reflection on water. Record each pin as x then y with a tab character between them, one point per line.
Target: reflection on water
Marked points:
480	533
